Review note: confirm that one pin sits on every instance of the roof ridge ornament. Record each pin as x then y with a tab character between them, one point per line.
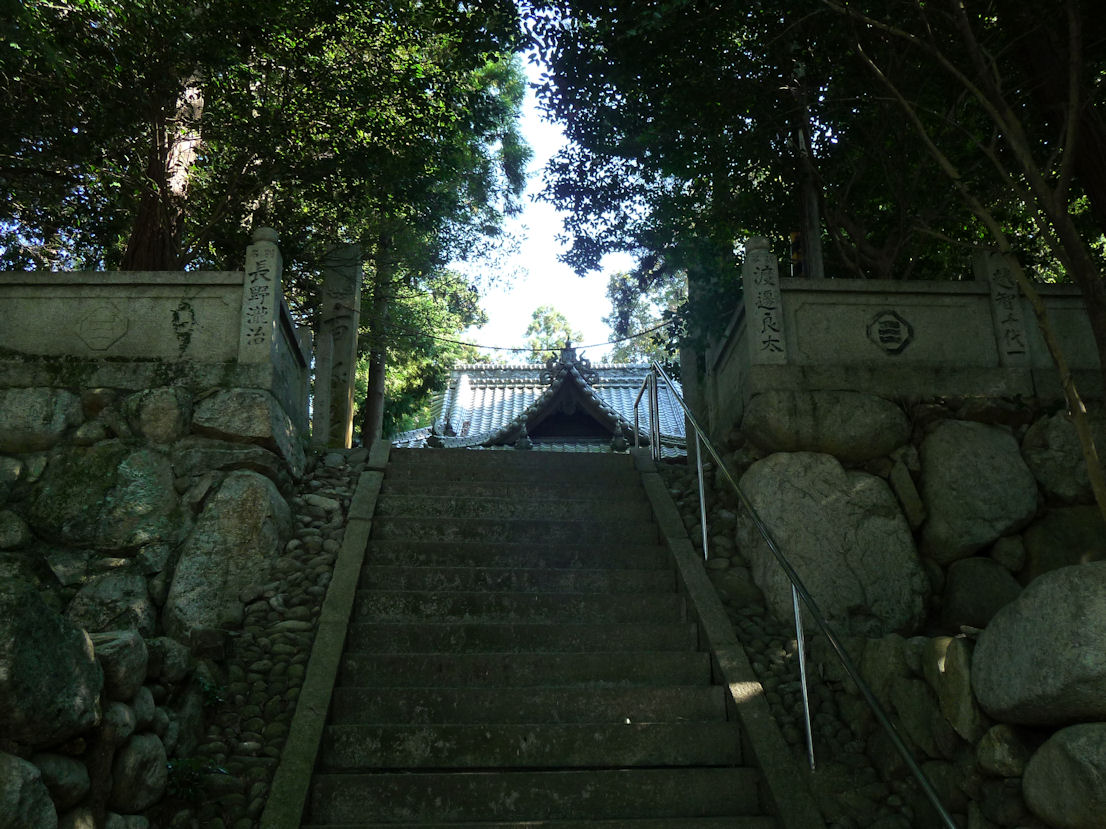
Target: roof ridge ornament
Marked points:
568	360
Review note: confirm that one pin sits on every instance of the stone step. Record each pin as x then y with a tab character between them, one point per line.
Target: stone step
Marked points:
540	745
524	670
687	703
516	531
594	794
745	822
530	462
569	556
511	507
431	605
476	637
518	580
524	489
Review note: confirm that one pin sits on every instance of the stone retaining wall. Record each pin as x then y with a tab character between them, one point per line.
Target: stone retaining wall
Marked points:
954	546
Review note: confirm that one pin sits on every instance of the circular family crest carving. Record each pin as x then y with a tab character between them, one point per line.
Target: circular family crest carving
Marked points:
102	327
890	332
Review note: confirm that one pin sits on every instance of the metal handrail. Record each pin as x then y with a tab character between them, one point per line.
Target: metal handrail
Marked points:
797	587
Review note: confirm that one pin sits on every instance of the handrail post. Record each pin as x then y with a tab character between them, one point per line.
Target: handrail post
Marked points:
800	642
702	494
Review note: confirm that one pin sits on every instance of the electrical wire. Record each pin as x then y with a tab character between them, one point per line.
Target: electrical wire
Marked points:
529	348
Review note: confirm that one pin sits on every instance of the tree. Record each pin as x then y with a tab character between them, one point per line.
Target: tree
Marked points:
148	134
152	137
921	129
645	325
549	331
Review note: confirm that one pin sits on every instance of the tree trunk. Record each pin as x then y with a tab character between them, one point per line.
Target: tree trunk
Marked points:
152	246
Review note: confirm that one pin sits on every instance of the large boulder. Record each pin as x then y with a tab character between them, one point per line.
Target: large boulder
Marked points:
114	601
24	799
138	774
36	418
193	456
844	535
14	532
976	488
250	416
1052	450
108	496
849	425
1065	781
49	680
241	529
65	777
1064	536
1042	660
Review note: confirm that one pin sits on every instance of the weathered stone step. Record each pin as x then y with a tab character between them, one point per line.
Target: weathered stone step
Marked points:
468	459
443	797
644	823
511	507
523	489
524	670
520	580
574	555
488	637
518	746
691	703
446	606
517	531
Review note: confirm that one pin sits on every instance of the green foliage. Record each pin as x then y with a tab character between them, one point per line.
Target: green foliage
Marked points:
678	151
549	331
656	310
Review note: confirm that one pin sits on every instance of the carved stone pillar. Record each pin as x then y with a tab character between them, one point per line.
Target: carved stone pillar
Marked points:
336	358
760	278
260	298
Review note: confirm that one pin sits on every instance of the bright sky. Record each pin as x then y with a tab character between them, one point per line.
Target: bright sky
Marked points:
541	278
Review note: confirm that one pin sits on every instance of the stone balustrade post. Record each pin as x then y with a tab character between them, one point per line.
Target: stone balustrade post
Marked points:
760	277
1007	308
261	295
336	358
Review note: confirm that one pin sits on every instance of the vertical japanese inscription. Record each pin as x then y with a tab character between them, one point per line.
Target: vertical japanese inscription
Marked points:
1007	311
260	298
763	304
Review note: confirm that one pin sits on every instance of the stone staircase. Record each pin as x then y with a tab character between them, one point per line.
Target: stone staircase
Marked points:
519	656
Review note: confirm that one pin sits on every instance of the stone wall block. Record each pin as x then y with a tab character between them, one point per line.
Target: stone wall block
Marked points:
250	416
139	774
851	426
976	488
24	799
1042	660
50	681
160	415
845	536
65	777
975	590
242	528
34	419
108	496
947	668
1061	538
114	601
14	532
1051	449
1001	752
123	656
1065	781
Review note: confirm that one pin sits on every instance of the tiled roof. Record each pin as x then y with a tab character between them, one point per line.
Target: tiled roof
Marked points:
488	404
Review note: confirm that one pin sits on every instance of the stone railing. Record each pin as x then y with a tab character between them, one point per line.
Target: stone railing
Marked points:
203	331
893	339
